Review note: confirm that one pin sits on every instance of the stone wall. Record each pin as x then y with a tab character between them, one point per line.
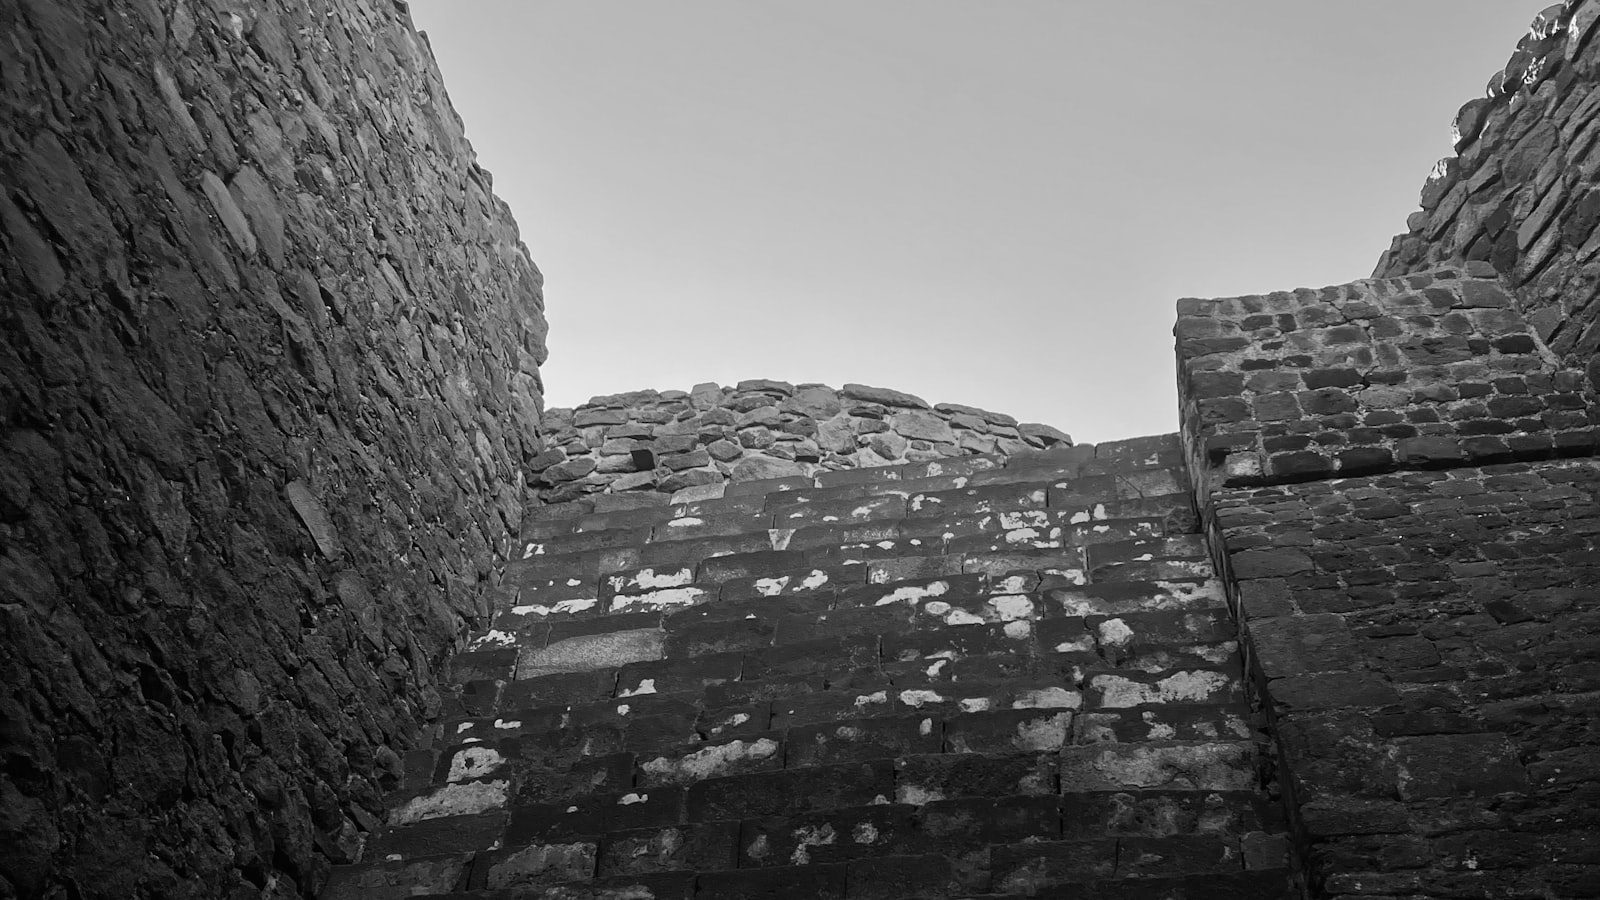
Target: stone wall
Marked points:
1520	192
646	446
1422	636
268	382
1431	643
1428	370
990	676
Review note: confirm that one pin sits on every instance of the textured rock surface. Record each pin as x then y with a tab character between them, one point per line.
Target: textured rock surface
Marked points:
982	677
1424	371
268	380
1424	635
654	445
270	414
1520	194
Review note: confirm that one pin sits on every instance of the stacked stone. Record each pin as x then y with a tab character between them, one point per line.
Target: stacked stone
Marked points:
1423	635
268	383
660	443
1429	641
1520	193
1428	370
987	677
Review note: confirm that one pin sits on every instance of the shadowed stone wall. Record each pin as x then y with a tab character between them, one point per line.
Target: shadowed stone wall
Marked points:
268	381
1412	567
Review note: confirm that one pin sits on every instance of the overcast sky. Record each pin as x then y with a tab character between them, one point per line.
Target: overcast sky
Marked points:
980	202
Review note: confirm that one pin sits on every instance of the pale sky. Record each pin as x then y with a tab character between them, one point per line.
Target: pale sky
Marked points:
988	202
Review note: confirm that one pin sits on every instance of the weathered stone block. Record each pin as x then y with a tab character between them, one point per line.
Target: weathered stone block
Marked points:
1456	765
592	651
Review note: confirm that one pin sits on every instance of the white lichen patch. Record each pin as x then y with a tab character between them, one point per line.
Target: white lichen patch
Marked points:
916	698
1018	630
563	606
1033	537
474	762
771	587
1025	518
962	617
1160	731
646	686
915	795
1048	733
1216	654
507	724
1047	698
1069	574
864	833
630	799
712	761
662	599
810	836
1181	687
872	699
1013	607
914	593
1083	644
467	799
733	721
493	639
685	522
1115	633
1090	515
1013	584
975	704
651	580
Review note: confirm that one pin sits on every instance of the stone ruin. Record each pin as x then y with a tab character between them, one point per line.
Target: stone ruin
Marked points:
303	593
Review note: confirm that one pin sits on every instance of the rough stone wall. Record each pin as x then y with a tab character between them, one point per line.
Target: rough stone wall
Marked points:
1423	637
644	446
1428	370
268	380
1431	641
993	676
1520	192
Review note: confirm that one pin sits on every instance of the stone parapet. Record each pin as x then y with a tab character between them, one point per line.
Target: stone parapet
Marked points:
648	443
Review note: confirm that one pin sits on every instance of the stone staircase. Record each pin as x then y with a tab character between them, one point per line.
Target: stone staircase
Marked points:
981	677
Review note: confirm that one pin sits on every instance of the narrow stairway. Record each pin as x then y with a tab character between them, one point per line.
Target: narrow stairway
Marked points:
983	677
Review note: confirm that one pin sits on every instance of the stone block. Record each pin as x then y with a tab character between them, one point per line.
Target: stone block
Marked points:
540	864
791	791
1220	766
1300	644
592	651
1459	765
